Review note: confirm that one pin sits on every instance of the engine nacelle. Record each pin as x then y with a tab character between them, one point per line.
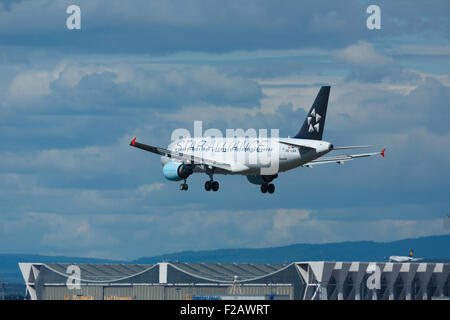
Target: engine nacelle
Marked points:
176	171
259	179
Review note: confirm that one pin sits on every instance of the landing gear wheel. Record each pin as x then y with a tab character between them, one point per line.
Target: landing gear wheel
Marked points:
271	188
183	186
214	185
264	188
208	185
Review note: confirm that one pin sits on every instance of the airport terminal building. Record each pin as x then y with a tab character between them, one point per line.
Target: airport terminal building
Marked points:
314	280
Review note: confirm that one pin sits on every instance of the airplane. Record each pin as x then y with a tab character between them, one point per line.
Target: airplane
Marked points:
236	155
409	258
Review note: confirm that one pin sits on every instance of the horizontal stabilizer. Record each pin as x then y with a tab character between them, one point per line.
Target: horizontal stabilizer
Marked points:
341	159
305	143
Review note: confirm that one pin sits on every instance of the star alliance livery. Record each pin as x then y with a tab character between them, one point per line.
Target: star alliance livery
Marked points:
260	159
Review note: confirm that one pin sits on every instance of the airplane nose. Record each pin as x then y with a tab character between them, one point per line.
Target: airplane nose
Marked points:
330	147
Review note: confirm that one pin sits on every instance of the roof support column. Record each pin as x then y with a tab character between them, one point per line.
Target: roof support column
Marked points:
424	273
407	274
390	272
441	277
340	274
357	271
322	272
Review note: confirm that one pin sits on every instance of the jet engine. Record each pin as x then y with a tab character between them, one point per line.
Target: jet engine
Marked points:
176	171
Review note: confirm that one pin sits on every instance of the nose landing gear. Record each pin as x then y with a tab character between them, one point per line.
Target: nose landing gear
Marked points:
184	186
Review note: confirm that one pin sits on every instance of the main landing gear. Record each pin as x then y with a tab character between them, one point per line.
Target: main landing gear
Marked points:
270	188
211	184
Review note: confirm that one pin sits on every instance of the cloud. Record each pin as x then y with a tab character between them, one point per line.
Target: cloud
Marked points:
366	64
286	223
189	228
213	26
362	54
31	84
72	88
423	20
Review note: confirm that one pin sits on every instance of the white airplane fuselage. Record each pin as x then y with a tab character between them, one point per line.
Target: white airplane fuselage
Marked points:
247	156
402	259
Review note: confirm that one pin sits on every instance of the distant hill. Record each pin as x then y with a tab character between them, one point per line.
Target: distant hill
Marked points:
434	247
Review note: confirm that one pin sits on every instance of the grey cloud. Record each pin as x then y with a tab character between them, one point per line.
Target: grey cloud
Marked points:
105	91
376	109
421	18
214	26
197	229
169	26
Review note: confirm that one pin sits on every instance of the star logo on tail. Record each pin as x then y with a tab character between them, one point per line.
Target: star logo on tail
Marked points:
313	121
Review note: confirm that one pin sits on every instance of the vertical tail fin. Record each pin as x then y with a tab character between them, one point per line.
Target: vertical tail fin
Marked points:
315	121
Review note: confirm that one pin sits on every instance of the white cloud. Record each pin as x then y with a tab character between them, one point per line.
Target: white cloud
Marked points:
32	84
363	54
148	188
286	223
35	82
366	64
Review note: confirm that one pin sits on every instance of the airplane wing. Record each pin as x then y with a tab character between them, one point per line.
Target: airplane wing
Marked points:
342	159
183	157
352	147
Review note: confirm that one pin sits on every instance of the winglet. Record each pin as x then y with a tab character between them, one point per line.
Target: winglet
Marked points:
382	151
132	143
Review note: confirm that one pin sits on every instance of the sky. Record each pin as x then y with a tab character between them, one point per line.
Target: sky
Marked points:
71	100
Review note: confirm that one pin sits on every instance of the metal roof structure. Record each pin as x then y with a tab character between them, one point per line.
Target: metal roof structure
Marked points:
102	272
220	272
226	271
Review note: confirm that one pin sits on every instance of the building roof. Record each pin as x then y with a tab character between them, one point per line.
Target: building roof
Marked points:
227	271
223	272
102	272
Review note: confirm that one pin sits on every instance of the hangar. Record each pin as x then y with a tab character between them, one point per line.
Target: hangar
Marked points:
313	280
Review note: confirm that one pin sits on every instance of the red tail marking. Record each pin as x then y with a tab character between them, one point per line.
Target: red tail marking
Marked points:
382	151
133	142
